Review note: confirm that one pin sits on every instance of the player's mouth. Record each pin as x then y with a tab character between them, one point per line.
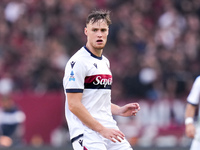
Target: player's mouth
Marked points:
99	41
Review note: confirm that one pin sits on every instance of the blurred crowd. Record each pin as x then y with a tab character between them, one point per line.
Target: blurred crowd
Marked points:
153	45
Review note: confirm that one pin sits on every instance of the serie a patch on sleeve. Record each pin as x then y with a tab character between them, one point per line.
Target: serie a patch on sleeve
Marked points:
72	78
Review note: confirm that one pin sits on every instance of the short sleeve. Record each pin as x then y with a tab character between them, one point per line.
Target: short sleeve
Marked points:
194	94
74	77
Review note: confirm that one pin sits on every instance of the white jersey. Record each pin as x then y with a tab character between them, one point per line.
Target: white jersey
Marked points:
88	74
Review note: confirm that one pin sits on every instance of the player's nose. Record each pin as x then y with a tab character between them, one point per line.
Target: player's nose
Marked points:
99	34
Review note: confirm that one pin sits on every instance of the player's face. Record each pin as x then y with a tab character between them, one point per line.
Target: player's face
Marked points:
97	34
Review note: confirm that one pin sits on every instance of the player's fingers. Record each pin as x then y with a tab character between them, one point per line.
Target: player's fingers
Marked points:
191	133
117	138
137	106
120	134
112	139
192	136
134	114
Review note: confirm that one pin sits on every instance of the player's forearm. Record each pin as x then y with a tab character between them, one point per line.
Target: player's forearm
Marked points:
190	110
81	112
115	109
189	114
78	109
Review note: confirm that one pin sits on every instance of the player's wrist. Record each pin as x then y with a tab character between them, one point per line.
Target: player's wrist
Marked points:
189	120
99	128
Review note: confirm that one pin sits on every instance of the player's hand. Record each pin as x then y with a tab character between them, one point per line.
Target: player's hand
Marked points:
112	134
129	109
190	130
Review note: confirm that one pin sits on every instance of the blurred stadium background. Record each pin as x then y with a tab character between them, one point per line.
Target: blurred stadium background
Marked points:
153	47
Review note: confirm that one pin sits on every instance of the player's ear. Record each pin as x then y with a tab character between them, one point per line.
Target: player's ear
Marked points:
85	30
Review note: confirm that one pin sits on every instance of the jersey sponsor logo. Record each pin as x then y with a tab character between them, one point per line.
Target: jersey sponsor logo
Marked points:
98	82
102	81
72	78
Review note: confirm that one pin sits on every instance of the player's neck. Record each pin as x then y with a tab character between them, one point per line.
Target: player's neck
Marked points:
96	52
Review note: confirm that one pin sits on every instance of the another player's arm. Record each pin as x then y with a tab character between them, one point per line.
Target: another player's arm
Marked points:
189	115
78	109
130	109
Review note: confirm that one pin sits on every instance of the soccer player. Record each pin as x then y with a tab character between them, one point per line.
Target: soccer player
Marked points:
193	101
87	84
11	123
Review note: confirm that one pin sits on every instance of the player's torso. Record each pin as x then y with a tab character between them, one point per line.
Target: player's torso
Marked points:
93	75
97	87
98	74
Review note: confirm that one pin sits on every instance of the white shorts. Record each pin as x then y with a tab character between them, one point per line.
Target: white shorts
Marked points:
196	141
195	145
92	140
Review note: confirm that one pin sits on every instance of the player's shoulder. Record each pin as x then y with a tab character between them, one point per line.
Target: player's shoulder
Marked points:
78	60
196	83
104	58
79	55
197	79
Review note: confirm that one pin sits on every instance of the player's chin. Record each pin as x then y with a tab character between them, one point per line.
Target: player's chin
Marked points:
100	46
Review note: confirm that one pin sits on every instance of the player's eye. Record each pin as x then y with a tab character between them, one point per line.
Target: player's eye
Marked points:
103	30
95	30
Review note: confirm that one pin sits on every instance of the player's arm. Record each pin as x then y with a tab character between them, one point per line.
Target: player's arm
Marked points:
78	109
189	115
130	109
